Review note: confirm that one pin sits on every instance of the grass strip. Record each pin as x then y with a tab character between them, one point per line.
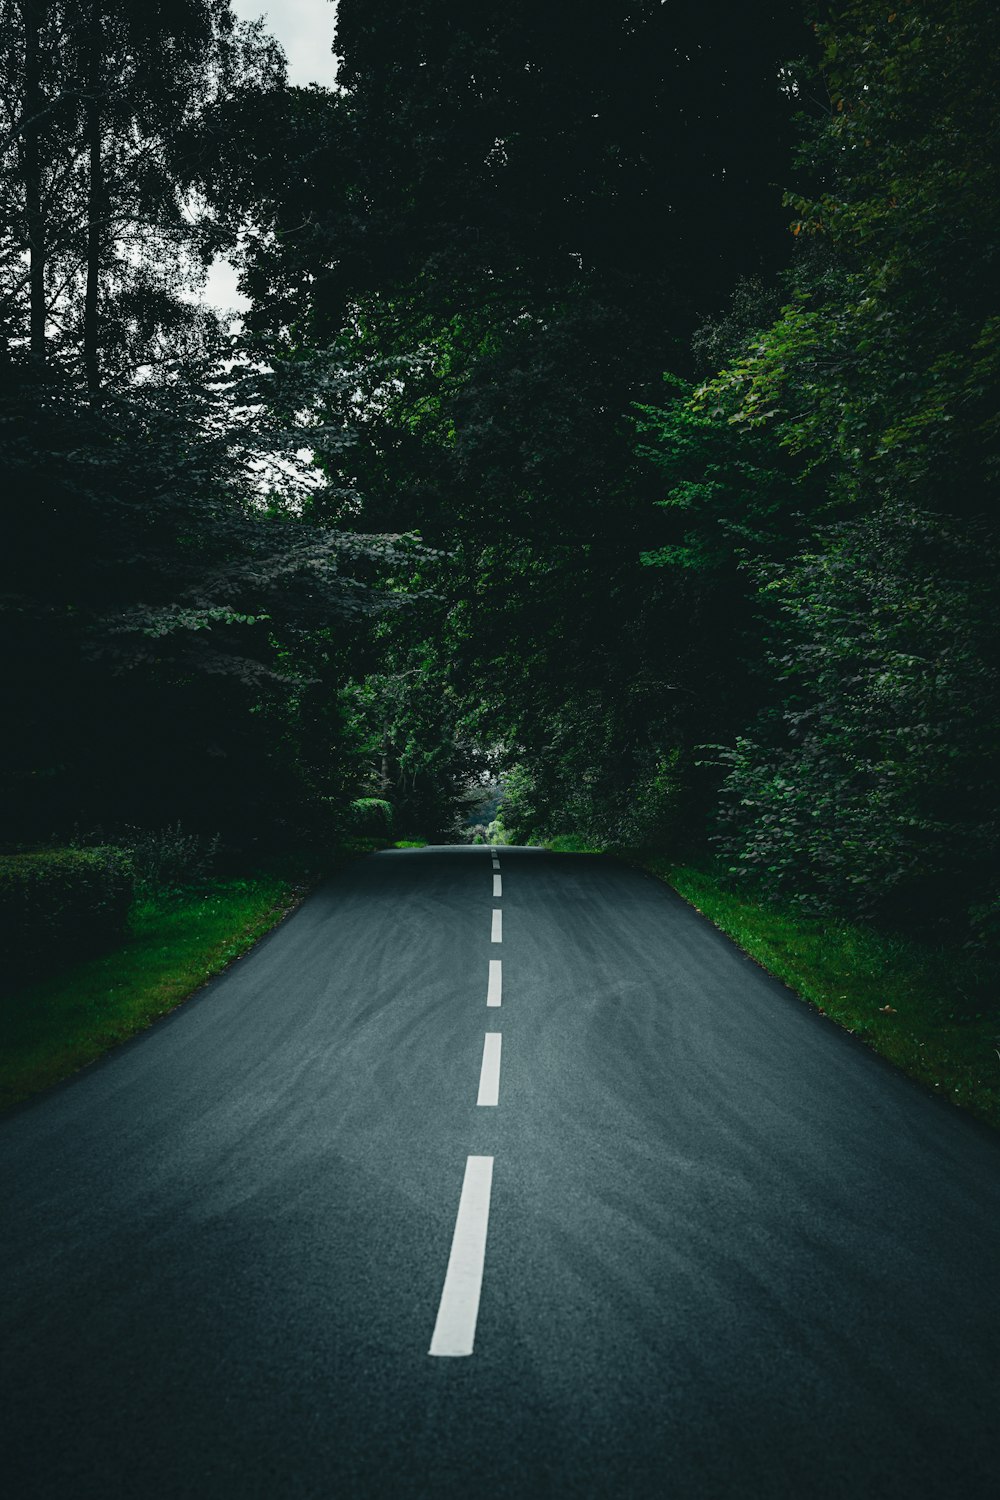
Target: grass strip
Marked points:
572	843
930	1010
175	943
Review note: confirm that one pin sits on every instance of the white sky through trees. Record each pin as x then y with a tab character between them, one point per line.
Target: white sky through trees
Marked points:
305	30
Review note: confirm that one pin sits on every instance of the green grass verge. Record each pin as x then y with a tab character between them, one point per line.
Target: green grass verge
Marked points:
572	843
174	944
931	1011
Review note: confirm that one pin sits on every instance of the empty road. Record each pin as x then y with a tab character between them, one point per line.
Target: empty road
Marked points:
699	1242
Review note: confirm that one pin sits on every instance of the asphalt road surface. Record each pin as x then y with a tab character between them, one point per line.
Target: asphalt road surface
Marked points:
705	1244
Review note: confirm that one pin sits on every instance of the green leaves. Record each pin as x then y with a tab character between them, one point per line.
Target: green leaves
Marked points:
874	787
843	464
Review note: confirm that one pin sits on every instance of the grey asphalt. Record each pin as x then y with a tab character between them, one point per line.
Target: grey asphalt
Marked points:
731	1253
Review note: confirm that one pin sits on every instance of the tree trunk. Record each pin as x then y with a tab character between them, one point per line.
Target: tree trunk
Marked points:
95	209
33	105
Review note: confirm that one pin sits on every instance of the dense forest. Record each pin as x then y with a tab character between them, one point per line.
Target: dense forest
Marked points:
616	417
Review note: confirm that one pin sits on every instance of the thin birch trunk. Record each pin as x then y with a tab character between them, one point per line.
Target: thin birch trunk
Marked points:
95	210
33	12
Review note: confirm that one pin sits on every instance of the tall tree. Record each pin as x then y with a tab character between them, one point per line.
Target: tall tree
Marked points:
95	196
31	129
153	585
869	784
97	107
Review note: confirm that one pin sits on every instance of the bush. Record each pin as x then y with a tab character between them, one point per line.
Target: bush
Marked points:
371	816
162	859
59	904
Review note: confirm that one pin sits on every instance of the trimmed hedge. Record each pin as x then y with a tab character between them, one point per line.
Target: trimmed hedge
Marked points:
59	904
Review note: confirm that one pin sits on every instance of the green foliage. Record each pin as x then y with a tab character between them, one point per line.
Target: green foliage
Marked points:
202	639
164	859
519	811
855	490
417	755
875	787
100	139
652	810
58	904
572	843
371	814
166	577
728	493
886	355
480	209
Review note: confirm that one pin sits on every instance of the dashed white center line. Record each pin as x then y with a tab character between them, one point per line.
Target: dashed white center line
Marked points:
489	1073
458	1311
455	1329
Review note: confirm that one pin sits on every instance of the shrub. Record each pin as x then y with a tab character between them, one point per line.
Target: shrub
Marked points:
57	904
371	815
162	859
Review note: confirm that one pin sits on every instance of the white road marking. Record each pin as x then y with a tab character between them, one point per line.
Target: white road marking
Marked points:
455	1329
496	931
489	1073
496	864
497	887
495	985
